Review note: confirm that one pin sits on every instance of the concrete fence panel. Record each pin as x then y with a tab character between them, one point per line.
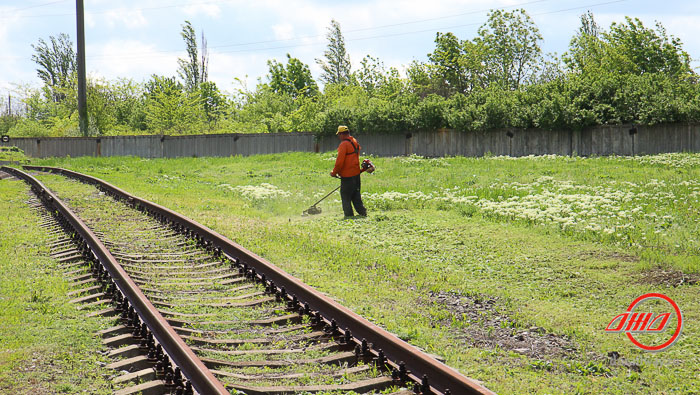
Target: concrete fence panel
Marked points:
694	137
330	143
142	146
611	140
540	142
178	146
213	145
676	139
494	142
66	146
383	144
441	143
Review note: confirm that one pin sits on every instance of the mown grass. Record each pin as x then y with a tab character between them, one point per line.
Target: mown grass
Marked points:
46	345
563	244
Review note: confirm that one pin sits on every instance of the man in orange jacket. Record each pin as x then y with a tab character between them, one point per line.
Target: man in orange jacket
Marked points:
347	166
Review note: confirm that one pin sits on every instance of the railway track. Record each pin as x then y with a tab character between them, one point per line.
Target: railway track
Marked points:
199	313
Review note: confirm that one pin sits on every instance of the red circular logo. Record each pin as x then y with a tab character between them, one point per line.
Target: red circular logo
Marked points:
679	322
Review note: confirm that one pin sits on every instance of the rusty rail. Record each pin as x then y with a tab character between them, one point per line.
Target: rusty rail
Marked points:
181	354
430	375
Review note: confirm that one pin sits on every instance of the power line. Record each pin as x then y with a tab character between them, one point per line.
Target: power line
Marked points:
434	29
353	30
106	11
36	6
380	26
167	53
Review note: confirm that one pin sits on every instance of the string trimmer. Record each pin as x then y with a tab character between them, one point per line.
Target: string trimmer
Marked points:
367	166
317	210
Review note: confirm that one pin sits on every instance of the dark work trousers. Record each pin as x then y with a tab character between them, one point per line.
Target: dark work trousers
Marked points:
350	193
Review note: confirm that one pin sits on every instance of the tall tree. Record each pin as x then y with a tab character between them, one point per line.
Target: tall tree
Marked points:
336	65
448	62
457	65
512	50
57	63
193	70
295	78
586	47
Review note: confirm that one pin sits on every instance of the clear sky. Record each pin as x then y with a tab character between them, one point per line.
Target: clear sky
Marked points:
134	39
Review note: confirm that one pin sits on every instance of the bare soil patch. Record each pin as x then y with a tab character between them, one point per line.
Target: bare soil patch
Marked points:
669	278
490	328
606	255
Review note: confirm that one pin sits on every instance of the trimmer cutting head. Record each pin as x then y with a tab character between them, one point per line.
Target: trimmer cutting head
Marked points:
313	210
317	210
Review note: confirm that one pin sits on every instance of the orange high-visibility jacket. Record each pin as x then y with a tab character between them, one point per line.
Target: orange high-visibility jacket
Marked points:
347	164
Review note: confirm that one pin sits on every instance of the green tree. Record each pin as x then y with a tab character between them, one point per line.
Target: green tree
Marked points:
456	65
627	48
586	47
193	70
128	104
449	63
213	102
103	103
511	51
371	75
420	79
57	63
262	110
336	65
642	50
115	107
294	79
169	107
9	114
550	69
376	80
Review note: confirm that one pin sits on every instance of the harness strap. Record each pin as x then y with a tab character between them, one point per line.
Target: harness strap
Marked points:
354	148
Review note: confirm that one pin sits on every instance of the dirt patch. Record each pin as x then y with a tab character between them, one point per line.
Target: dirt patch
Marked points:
490	328
606	255
615	359
669	278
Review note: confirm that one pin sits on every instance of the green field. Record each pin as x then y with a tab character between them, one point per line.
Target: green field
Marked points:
509	269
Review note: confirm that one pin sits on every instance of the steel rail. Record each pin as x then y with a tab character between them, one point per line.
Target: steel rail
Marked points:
190	365
422	367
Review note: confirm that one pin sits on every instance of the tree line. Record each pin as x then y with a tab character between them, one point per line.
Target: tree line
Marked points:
627	73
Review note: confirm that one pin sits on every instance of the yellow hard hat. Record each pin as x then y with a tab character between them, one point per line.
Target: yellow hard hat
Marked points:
342	129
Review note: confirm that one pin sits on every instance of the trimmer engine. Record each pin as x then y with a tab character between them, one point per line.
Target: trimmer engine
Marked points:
368	166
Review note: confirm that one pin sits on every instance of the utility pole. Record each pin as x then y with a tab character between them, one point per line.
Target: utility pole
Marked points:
82	97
